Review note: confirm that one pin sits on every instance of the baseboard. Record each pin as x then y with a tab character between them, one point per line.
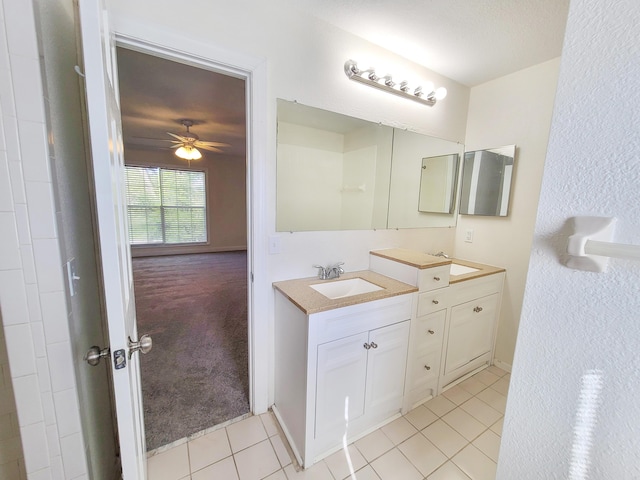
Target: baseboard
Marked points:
500	364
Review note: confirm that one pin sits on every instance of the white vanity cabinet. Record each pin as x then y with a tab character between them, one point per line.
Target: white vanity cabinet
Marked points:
454	322
338	372
472	325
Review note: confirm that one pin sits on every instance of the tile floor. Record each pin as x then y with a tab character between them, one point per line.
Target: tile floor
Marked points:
455	436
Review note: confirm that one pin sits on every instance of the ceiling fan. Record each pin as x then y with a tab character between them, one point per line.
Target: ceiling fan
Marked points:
188	143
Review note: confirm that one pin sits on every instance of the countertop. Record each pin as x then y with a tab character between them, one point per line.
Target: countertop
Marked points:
310	301
422	260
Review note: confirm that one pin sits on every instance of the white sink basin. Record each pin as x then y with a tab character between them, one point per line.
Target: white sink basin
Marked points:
345	288
457	269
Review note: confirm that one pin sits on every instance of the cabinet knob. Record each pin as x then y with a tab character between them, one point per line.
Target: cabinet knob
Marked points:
367	346
427	367
431	332
477	309
437	279
435	302
374	345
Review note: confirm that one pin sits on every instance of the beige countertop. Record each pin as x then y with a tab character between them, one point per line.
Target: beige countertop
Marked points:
422	260
310	301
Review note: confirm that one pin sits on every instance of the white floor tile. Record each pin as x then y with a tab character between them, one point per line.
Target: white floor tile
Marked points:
281	450
172	464
319	471
440	405
257	461
374	445
366	473
449	471
245	433
421	417
399	430
486	377
279	475
342	466
475	464
472	385
457	395
481	411
489	444
223	469
501	386
497	371
269	423
422	454
445	438
497	427
208	449
464	424
494	399
393	465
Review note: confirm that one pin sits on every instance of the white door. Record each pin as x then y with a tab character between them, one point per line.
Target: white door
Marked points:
342	369
108	173
386	369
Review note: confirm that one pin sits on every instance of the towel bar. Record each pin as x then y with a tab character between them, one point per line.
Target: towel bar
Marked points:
590	246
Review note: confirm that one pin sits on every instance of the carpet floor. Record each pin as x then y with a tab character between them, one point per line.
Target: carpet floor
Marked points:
195	309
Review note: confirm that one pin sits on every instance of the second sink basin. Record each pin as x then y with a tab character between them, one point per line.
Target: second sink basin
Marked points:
457	269
345	288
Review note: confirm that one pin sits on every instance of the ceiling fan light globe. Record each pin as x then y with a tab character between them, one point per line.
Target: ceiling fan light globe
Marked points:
187	152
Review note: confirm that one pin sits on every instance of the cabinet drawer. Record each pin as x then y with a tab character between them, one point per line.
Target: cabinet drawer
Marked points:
430	331
432	301
471	289
432	278
426	368
345	321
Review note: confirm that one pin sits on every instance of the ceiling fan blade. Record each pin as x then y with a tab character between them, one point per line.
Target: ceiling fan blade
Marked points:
211	149
182	139
202	143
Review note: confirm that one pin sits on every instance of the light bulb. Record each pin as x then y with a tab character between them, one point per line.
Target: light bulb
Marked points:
188	152
441	93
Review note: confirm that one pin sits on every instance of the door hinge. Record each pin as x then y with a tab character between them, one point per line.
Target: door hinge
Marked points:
251	277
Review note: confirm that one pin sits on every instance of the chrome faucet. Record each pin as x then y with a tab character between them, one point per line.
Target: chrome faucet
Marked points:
441	254
330	271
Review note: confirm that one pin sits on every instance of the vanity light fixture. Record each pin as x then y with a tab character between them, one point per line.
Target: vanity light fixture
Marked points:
386	83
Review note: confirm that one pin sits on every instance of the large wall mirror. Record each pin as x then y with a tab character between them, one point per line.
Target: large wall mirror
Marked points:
336	172
486	181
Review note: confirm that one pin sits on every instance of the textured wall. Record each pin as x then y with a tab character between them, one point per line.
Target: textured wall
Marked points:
573	408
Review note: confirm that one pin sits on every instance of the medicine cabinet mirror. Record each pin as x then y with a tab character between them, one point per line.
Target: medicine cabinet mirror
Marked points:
336	172
486	181
438	181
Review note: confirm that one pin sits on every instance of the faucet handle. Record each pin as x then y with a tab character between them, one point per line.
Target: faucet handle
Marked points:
322	272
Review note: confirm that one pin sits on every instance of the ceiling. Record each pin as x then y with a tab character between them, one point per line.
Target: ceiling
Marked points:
469	41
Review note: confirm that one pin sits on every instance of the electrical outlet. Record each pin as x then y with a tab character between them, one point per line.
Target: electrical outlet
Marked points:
468	235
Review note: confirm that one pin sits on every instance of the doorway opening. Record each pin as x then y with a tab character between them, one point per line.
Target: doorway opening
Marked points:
188	224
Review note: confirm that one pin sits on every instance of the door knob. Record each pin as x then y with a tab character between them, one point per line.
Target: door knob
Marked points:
94	355
143	345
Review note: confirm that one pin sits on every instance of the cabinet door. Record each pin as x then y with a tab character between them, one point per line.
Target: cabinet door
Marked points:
470	331
386	368
341	375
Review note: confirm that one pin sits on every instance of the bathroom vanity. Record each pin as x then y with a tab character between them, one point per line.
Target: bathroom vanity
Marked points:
376	342
455	319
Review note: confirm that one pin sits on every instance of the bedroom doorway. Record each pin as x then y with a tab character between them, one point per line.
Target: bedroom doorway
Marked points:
188	227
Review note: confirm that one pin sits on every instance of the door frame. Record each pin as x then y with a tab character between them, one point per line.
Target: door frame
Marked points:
254	73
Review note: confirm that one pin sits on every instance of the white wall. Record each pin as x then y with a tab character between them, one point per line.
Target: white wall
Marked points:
514	109
305	59
575	325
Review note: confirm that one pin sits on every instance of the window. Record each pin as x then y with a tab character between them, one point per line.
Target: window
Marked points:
166	206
